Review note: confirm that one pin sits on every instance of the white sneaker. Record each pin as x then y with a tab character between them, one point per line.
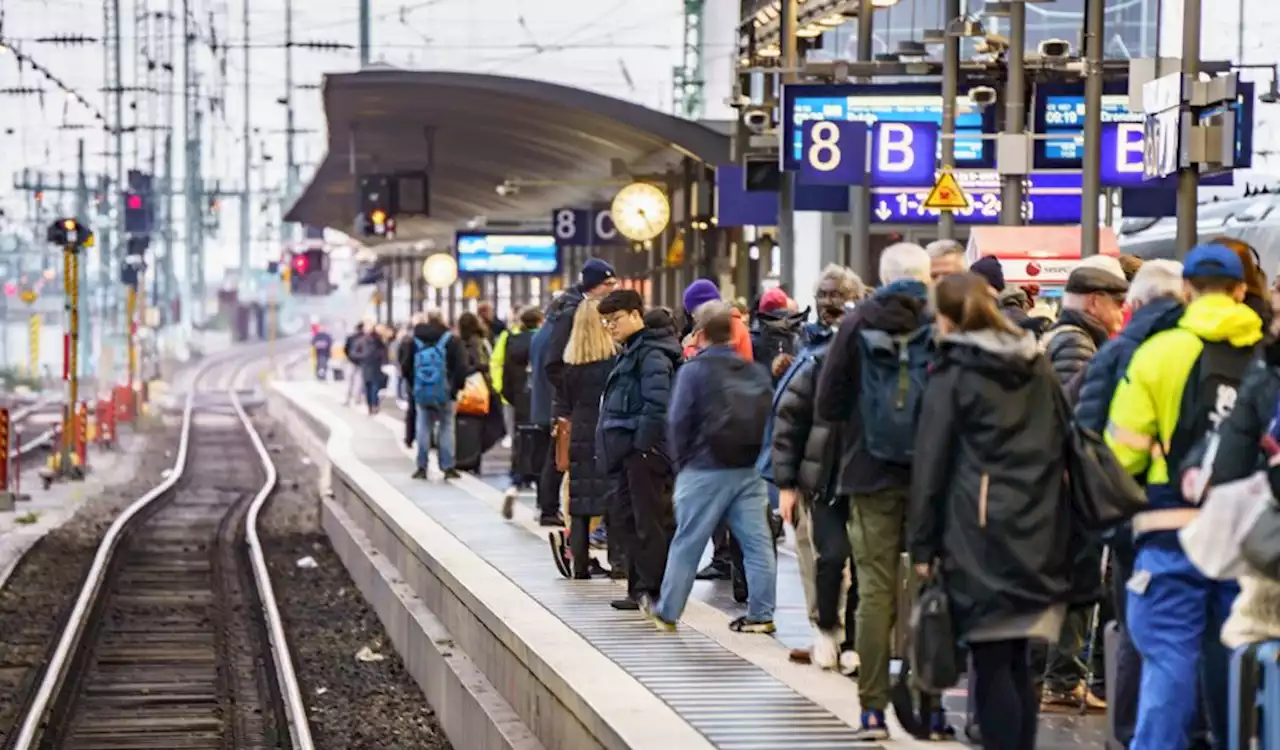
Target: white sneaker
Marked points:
849	663
506	442
826	650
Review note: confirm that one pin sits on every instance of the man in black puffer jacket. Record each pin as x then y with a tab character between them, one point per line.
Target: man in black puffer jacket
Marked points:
631	444
1091	314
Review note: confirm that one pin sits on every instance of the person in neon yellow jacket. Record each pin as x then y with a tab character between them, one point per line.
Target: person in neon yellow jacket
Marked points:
1180	384
497	361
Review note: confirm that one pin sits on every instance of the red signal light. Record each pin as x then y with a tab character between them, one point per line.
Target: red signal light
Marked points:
300	264
135	202
10	288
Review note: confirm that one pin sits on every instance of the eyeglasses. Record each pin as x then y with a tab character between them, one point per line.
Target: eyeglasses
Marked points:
609	323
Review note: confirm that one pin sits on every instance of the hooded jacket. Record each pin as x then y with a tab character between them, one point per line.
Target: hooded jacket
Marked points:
1108	365
896	309
739	338
987	491
559	312
1070	344
1148	401
455	355
633	409
804	447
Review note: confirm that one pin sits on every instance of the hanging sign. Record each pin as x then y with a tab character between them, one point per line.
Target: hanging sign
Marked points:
834	153
947	195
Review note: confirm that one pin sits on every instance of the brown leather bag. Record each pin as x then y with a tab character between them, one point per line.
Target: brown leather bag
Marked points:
562	429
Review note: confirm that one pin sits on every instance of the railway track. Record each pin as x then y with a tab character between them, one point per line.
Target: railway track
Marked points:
175	640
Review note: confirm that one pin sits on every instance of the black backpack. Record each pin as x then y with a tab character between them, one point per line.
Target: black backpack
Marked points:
737	410
1207	399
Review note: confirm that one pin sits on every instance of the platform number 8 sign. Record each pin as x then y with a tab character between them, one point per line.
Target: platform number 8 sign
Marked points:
835	153
565	225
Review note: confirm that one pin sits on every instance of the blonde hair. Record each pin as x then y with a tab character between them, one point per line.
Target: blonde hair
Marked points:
589	340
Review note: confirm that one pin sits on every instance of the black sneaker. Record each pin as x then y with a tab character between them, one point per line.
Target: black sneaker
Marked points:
420	474
714	572
625	605
560	553
451	474
549	522
744	625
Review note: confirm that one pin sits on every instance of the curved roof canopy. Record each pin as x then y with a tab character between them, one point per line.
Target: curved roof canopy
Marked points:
473	132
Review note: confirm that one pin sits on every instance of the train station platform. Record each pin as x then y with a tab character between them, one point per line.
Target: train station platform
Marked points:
511	654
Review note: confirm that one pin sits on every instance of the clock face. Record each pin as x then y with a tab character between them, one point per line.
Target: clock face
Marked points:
641	211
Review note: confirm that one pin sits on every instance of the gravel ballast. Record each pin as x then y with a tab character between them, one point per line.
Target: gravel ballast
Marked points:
353	702
43	586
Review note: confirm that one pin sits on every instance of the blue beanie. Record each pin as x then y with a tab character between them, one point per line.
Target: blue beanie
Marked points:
595	272
700	293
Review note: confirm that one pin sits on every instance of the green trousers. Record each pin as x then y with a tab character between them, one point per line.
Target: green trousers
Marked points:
876	533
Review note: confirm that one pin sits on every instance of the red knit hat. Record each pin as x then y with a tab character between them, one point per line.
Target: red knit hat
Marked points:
774	299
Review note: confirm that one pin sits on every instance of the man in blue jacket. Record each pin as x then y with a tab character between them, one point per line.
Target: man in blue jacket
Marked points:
631	443
546	359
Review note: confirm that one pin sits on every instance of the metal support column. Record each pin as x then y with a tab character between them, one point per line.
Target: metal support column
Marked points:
786	190
1189	177
366	34
118	148
1091	192
859	198
950	90
246	198
82	216
1015	112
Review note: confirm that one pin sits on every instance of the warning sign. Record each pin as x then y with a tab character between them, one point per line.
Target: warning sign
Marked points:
947	195
471	290
29	296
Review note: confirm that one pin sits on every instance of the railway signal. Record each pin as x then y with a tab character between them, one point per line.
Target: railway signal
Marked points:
73	237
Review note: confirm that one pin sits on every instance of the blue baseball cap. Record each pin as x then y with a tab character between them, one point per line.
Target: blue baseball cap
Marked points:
1212	260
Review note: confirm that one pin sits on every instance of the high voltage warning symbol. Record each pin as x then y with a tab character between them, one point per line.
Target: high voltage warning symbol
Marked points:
947	195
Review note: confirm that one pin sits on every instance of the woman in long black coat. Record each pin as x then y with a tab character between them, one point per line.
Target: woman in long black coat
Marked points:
988	514
588	358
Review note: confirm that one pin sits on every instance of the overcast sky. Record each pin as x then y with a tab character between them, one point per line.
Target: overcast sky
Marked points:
618	47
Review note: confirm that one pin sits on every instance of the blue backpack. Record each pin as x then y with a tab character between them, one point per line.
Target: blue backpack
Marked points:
430	374
894	369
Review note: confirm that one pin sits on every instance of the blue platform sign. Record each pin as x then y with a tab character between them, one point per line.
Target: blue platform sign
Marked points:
1059	114
835	153
1049	199
904	154
585	226
880	103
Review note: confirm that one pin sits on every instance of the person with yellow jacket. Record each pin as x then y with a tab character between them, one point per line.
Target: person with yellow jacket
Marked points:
1180	385
498	361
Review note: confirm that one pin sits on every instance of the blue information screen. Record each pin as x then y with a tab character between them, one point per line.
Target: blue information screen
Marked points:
885	103
489	252
1064	122
1059	122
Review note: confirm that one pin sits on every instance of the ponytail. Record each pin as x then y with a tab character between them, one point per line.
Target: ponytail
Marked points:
967	300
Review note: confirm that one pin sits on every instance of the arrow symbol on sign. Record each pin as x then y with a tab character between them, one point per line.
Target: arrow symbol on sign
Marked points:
883	212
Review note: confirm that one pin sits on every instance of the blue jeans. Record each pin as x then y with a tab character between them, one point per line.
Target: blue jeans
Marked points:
1175	621
704	497
437	420
371	389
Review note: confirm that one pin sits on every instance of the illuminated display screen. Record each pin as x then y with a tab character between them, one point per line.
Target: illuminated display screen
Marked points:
886	103
486	252
1064	122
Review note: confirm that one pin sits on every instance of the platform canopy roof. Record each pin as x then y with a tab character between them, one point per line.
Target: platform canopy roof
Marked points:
480	131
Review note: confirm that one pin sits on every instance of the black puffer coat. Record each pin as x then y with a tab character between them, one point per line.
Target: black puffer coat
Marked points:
589	485
987	490
1070	344
1239	454
805	447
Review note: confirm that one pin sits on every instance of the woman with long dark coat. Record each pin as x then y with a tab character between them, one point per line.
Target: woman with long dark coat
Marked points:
989	516
588	358
475	435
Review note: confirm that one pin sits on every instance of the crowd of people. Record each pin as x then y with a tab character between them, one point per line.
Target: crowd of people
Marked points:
911	432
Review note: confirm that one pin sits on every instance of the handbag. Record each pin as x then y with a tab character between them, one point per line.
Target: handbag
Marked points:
473	401
1101	492
1214	541
932	649
563	428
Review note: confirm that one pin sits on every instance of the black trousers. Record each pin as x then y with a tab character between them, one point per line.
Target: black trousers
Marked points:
579	544
1005	700
642	519
833	553
1122	697
549	482
722	547
528	454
